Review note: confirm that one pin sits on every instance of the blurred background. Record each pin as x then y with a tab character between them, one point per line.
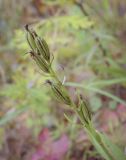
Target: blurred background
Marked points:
88	40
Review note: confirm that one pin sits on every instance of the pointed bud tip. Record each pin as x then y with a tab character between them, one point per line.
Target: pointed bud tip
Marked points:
49	82
26	27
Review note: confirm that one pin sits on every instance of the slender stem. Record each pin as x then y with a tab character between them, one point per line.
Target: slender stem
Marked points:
82	113
89	127
106	150
96	38
54	75
95	134
74	107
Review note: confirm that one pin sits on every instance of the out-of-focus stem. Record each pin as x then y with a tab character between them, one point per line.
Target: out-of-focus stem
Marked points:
96	38
92	133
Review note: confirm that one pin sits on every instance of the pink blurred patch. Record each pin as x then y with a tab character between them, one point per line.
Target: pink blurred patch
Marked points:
121	111
108	118
43	135
111	118
49	149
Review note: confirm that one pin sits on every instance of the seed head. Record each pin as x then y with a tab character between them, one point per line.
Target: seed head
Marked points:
84	111
30	35
43	65
43	48
60	92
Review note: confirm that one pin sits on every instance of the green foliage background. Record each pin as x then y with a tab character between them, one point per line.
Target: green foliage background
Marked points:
71	38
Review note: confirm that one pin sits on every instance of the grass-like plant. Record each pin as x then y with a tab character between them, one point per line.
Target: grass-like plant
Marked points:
40	53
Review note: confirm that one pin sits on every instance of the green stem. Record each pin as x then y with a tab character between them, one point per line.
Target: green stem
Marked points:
54	75
93	134
89	127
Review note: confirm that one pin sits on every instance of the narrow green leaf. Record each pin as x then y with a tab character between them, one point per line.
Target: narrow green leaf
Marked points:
10	116
96	90
114	149
103	83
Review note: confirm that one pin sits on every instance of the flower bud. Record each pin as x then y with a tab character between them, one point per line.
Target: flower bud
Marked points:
43	48
43	65
84	111
31	34
60	92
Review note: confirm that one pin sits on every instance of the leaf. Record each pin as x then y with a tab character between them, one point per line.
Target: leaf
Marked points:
114	69
58	2
104	146
96	90
97	145
107	94
103	83
113	149
68	118
71	21
11	115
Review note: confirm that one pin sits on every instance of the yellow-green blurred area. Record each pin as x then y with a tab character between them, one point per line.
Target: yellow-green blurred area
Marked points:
88	41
